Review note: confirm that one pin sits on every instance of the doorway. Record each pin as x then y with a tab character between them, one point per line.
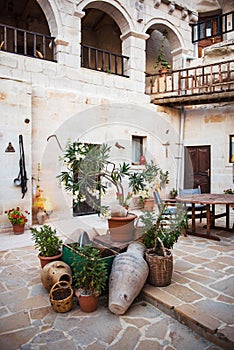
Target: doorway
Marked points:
197	168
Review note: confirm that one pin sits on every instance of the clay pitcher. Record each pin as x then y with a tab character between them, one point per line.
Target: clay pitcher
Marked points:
55	271
128	275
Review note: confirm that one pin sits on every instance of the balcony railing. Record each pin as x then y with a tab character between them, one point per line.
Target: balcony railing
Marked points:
213	27
201	82
104	61
26	43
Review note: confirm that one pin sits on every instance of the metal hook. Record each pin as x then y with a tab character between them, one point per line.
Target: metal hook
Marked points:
56	140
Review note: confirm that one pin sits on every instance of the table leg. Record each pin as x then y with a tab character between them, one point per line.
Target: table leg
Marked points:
208	225
193	219
208	221
212	222
227	217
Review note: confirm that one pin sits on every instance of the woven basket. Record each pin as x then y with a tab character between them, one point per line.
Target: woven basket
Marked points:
160	267
61	296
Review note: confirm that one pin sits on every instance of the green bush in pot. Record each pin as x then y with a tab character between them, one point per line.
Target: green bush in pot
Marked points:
47	242
159	237
89	277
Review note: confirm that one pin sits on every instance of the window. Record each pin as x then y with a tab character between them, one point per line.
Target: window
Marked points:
231	149
137	148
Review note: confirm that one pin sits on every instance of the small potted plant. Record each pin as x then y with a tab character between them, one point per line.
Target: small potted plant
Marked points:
173	193
159	238
228	191
48	243
18	219
89	277
162	63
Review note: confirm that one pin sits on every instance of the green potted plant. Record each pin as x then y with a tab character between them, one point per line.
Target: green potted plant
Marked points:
228	191
48	243
89	277
18	219
173	193
159	237
162	63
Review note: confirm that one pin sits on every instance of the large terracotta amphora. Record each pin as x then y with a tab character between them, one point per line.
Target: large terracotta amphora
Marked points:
128	276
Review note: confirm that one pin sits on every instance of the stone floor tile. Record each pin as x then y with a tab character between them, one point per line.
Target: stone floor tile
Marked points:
14	321
148	344
126	340
226	286
205	291
199	278
183	293
14	340
219	310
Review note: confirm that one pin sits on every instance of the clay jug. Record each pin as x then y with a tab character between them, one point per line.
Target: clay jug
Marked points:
128	275
54	272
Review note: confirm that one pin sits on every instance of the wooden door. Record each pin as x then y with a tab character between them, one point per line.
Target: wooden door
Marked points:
197	168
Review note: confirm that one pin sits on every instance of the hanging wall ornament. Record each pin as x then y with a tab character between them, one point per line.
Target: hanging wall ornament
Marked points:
157	3
139	5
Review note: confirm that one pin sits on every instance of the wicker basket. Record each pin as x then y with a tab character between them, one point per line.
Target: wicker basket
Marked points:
160	267
61	296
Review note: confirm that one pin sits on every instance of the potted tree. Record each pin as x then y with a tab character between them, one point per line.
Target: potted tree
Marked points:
48	243
159	237
89	277
87	165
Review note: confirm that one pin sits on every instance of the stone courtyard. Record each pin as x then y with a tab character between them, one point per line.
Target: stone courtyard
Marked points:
195	312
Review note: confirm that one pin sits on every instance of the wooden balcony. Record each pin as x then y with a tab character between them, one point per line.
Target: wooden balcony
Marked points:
213	27
206	84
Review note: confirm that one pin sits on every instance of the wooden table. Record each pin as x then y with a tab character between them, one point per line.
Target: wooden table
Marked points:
210	200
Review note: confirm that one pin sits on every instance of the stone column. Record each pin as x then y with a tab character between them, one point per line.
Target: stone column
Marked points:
133	46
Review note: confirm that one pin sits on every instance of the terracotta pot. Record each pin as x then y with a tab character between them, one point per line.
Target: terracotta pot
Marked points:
88	303
148	204
55	271
18	229
128	276
122	228
47	259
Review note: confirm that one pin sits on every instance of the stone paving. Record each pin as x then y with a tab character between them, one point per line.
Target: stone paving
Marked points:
195	312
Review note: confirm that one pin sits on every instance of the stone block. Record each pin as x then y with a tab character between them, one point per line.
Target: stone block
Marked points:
198	317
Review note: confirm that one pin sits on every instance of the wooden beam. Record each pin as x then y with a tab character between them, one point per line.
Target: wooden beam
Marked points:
196	99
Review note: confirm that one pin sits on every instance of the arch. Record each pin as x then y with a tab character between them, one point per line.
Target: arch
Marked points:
115	10
174	36
52	15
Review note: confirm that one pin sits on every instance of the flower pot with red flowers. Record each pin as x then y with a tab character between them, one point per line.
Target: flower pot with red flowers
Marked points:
18	219
48	243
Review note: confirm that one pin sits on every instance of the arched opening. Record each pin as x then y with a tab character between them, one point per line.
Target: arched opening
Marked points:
24	29
101	43
158	50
